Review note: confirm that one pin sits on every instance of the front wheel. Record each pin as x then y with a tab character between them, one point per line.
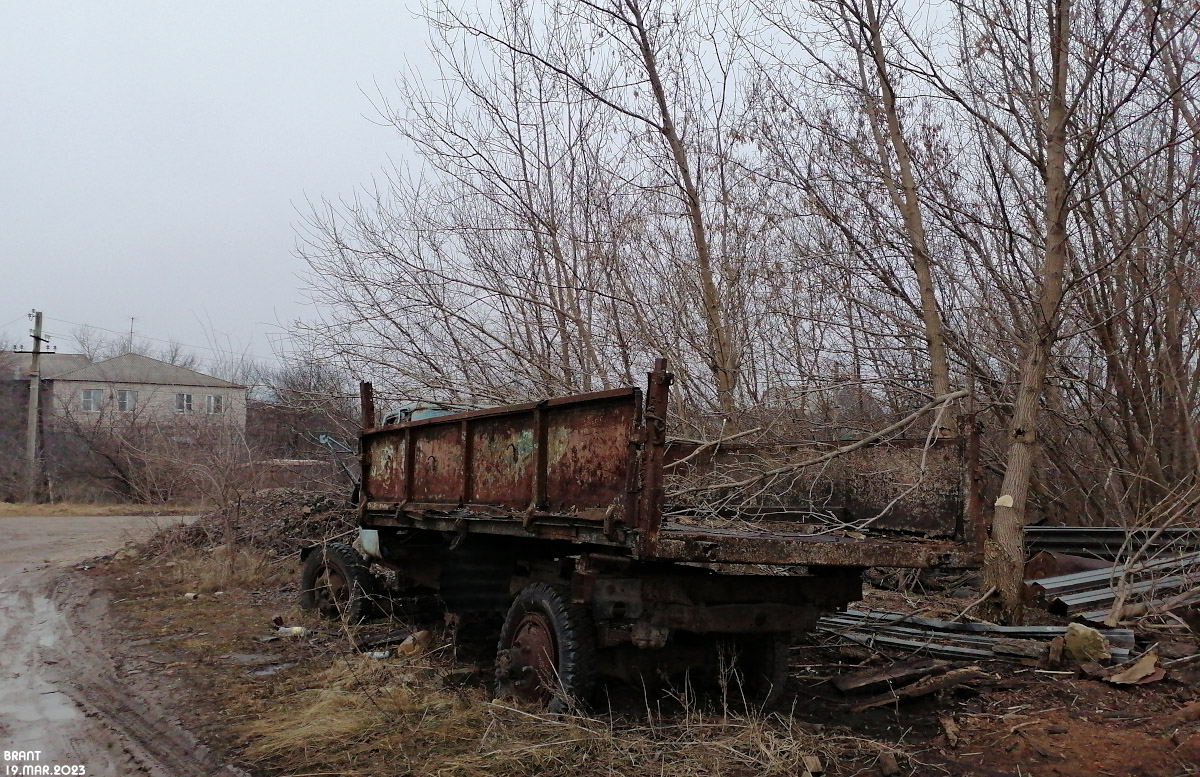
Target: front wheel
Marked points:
546	653
337	583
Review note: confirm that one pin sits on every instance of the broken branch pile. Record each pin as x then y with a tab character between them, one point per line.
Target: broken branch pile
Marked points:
280	521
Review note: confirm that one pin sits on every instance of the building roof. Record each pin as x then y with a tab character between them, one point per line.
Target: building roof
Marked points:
135	368
15	366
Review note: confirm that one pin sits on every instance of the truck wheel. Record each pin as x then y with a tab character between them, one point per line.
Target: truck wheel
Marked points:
546	653
337	583
764	667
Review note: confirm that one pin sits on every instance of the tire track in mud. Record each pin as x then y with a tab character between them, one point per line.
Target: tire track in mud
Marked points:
60	691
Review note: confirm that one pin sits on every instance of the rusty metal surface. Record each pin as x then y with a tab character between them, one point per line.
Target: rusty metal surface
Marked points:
366	398
587	457
567	456
587	470
384	458
921	488
650	508
437	469
502	468
692	543
638	602
918	490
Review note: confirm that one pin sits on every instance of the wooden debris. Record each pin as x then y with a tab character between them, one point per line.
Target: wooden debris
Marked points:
1185	714
1024	648
1054	655
1191	616
951	729
813	765
924	686
393	637
889	676
1094	670
888	765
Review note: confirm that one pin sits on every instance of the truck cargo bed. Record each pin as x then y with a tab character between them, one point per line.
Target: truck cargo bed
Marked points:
588	470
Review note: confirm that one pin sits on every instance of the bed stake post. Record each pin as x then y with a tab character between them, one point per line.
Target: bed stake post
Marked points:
653	453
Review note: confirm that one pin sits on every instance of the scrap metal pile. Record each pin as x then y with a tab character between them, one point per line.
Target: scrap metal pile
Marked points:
1108	542
962	641
1115	593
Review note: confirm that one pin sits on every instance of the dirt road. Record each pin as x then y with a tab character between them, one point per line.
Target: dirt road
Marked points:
63	708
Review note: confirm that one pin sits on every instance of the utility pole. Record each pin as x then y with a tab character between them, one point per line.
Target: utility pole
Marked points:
33	438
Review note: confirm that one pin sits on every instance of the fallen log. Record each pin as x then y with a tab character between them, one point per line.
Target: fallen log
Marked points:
897	674
924	687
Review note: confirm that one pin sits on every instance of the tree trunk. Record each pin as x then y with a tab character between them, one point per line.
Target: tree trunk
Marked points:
1006	549
725	361
904	196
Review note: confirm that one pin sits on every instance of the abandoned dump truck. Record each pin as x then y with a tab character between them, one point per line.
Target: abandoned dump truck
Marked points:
547	520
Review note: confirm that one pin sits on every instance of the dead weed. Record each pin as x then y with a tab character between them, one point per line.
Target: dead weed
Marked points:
227	569
364	716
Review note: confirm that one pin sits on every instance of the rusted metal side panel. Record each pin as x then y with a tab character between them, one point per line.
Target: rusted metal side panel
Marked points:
384	477
901	485
502	466
587	458
746	547
568	457
437	471
915	489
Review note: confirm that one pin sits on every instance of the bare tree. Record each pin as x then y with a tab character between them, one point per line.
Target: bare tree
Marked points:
825	218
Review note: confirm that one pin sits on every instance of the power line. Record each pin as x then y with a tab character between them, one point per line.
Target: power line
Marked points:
15	320
153	339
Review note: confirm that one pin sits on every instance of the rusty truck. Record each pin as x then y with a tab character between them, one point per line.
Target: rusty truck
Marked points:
547	521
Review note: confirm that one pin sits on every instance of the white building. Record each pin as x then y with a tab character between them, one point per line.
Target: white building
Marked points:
133	387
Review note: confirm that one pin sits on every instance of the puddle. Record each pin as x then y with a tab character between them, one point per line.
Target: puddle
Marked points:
267	671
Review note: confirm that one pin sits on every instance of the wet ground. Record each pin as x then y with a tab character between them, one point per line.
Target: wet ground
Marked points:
63	710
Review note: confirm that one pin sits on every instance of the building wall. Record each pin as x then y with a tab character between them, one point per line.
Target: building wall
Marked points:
156	404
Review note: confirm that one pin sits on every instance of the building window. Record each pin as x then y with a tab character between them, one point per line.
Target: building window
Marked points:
91	400
183	403
215	403
126	401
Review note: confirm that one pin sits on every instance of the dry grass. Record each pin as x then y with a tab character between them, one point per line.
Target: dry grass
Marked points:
339	712
10	509
225	569
369	717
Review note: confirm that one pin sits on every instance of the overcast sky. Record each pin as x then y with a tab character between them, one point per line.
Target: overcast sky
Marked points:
153	156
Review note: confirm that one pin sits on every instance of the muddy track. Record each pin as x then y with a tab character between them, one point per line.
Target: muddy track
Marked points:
62	693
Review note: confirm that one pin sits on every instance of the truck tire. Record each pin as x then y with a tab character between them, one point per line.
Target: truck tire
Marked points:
763	667
338	583
546	653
